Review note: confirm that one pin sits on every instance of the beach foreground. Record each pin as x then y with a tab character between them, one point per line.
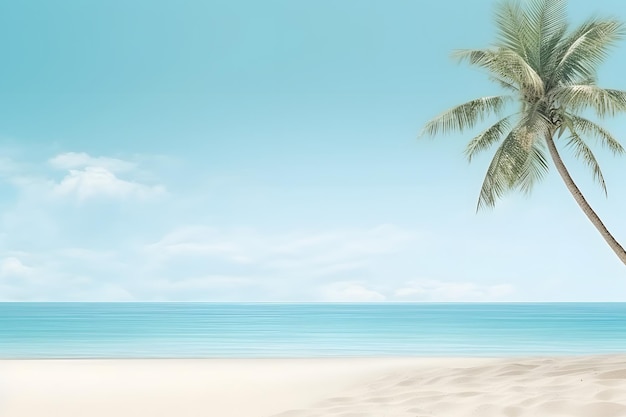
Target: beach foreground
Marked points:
389	387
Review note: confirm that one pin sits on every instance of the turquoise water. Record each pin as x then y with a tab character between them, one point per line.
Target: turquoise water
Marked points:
205	330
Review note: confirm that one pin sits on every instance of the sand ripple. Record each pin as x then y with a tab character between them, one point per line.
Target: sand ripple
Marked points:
554	387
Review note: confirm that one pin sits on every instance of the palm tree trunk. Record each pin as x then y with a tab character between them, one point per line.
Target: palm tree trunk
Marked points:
582	202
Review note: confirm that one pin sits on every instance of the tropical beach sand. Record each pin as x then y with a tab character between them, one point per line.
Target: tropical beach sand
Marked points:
593	386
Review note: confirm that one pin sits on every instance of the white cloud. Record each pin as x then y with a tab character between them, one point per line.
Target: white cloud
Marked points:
417	290
97	251
86	178
8	166
435	290
288	266
74	160
206	264
208	282
53	276
88	255
350	291
91	182
197	262
284	251
198	241
13	267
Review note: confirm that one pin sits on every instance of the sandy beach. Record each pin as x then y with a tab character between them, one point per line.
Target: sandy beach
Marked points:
593	386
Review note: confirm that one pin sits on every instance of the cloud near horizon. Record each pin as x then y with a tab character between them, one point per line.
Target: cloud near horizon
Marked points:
79	160
203	263
152	250
93	182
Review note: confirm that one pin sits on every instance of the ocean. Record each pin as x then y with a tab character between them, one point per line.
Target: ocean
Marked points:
258	330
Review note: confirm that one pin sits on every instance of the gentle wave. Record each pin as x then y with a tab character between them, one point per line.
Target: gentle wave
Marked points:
222	330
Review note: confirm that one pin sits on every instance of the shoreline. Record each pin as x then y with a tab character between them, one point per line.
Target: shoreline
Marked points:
316	387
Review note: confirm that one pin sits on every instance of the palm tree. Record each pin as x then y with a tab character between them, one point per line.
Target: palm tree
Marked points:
549	71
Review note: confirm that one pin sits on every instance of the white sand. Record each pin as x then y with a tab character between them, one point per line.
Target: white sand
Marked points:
559	387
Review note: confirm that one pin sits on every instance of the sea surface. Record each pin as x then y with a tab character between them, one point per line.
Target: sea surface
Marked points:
227	330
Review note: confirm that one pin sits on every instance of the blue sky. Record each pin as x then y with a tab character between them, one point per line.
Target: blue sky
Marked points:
267	151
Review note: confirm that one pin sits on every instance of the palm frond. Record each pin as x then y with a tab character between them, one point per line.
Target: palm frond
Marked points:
532	164
503	171
535	167
580	53
551	71
547	23
510	19
589	128
584	153
506	65
488	137
507	85
466	115
580	97
495	184
519	162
